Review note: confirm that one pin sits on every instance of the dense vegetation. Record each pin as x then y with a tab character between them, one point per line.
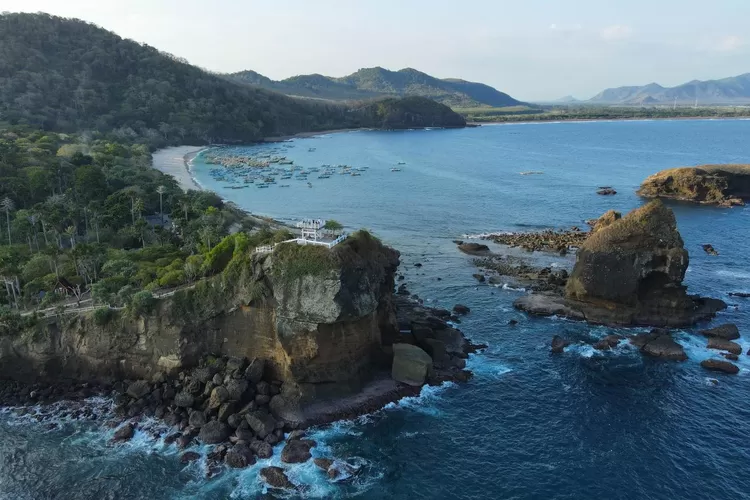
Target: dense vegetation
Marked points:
369	83
412	112
590	112
68	75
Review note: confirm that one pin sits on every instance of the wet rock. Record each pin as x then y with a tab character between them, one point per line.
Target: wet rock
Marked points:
189	456
411	365
245	434
296	434
709	249
263	449
559	344
474	248
479	277
730	356
743	295
660	344
297	451
461	309
239	456
513	322
606	191
608	342
275	477
184	400
138	389
724	345
728	331
124	433
226	410
214	432
183	441
323	463
718	365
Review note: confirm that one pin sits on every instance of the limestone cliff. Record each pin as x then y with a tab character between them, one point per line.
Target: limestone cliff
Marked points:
630	272
319	328
724	185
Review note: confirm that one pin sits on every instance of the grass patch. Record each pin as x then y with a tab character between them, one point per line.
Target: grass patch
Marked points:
292	261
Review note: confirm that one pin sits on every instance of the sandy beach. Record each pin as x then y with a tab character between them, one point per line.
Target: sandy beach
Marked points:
175	161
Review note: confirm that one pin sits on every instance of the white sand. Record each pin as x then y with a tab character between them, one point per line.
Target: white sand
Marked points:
175	162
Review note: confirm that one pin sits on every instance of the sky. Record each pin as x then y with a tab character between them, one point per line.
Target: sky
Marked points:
531	49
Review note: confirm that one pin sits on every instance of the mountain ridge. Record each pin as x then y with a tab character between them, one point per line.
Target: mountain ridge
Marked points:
368	83
731	90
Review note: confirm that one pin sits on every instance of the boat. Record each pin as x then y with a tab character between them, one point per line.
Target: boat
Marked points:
402	163
395	170
284	185
531	172
309	184
262	185
310	150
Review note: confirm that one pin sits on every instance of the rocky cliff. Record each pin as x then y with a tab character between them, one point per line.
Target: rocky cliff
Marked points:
724	185
629	272
318	328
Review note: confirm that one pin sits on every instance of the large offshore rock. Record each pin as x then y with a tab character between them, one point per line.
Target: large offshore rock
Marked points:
411	365
724	185
630	272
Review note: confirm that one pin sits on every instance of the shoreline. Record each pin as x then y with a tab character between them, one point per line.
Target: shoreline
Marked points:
624	119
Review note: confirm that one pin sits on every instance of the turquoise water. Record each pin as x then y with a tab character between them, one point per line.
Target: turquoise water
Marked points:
529	425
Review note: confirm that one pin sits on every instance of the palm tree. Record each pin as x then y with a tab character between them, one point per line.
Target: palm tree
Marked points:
8	205
185	206
161	190
138	208
33	219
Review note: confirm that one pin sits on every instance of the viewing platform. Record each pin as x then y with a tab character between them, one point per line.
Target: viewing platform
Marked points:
313	232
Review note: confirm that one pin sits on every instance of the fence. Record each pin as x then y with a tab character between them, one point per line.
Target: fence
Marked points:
303	241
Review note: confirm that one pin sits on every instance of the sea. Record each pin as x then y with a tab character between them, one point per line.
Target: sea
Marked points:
529	425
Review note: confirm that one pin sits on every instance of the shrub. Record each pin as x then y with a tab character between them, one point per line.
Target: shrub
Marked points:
142	302
103	315
292	261
172	278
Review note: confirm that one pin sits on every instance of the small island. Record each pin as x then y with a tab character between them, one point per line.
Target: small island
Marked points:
723	185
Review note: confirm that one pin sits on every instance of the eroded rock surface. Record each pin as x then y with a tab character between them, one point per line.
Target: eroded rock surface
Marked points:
724	185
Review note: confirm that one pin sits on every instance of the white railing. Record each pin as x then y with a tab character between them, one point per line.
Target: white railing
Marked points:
303	241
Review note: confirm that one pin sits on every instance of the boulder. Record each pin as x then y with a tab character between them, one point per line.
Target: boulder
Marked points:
184	400
608	342
718	365
461	309
728	331
226	410
197	419
237	389
275	477
607	219
263	449
724	345
323	463
124	433
138	389
261	423
218	396
659	344
559	344
236	365
474	248
240	456
297	451
254	371
606	191
436	349
411	365
479	277
214	432
189	456
709	249
730	356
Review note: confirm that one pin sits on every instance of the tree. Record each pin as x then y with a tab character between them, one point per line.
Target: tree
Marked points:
333	227
161	190
8	206
90	183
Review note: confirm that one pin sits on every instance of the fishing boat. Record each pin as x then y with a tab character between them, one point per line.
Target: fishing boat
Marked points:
394	169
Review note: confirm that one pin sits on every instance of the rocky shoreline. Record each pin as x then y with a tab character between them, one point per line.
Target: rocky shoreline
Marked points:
234	404
722	185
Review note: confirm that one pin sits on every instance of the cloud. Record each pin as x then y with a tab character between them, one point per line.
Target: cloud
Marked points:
729	43
616	32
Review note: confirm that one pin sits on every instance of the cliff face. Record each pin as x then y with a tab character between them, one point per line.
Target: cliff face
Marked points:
724	185
316	332
630	272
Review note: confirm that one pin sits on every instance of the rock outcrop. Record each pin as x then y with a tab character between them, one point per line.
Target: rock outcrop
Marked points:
724	185
411	365
629	273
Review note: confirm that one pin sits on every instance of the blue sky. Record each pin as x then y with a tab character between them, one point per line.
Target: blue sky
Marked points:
532	49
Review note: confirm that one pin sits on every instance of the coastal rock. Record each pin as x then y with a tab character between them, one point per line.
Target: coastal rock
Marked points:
214	432
629	273
606	191
411	365
474	248
607	219
559	344
724	185
297	451
254	371
276	477
189	456
197	419
124	433
240	456
261	423
479	277
323	463
730	356
263	449
743	295
718	365
659	344
184	400
218	396
138	389
709	249
728	331
608	342
724	345
461	309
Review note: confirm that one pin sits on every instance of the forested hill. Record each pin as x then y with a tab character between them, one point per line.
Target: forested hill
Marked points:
378	82
68	75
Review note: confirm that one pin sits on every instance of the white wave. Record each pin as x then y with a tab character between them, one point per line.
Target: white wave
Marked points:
733	273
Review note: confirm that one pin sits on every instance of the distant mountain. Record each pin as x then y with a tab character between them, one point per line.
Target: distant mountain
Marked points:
368	83
568	99
734	90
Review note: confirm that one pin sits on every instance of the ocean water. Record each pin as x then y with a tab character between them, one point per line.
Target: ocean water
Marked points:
529	425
